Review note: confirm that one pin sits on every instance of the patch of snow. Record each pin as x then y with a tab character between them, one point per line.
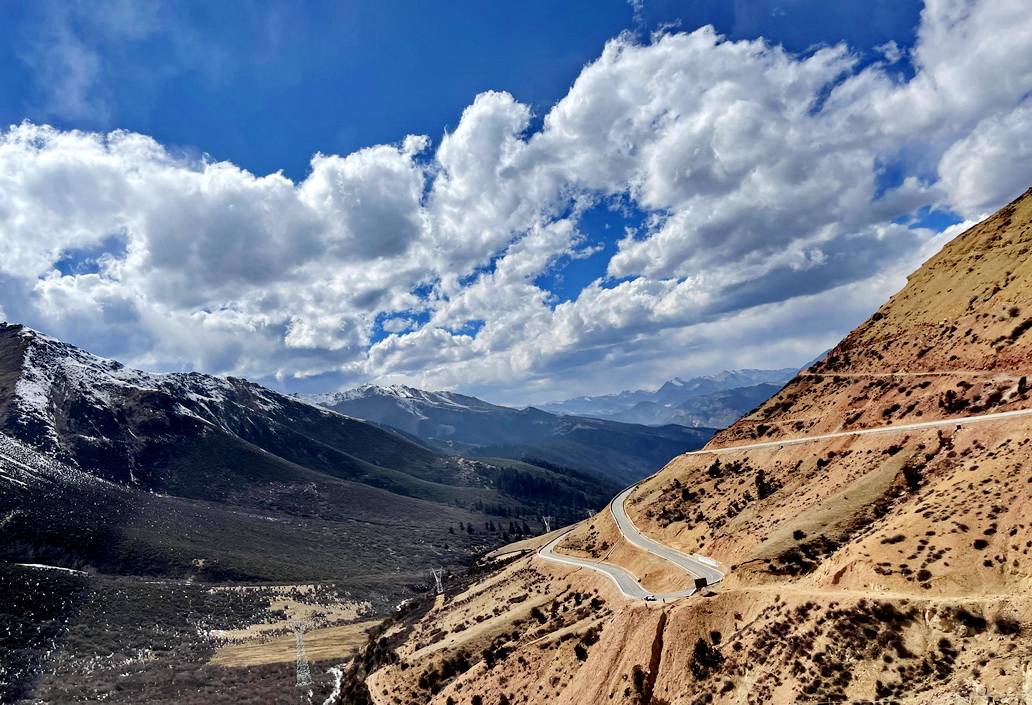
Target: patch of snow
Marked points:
183	411
338	675
24	465
51	567
11	478
408	398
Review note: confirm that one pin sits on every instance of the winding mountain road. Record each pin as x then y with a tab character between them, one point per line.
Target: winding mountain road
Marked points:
622	578
701	566
627	583
894	428
697	566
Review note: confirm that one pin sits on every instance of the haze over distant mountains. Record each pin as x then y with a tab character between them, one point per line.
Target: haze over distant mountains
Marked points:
713	401
611	451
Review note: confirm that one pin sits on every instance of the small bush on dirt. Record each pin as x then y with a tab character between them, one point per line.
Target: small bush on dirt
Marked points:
705	660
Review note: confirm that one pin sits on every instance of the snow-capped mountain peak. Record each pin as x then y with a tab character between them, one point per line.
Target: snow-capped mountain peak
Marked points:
61	399
410	397
669	403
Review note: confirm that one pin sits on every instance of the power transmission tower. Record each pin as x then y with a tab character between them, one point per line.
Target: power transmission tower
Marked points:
547	521
439	579
304	671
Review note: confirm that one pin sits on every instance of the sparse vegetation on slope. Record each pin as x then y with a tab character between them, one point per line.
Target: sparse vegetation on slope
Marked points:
893	566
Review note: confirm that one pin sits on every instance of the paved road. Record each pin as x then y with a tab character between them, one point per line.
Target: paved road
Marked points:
896	428
624	581
694	566
698	566
995	374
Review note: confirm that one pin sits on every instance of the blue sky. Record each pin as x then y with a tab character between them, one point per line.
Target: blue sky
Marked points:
521	200
266	85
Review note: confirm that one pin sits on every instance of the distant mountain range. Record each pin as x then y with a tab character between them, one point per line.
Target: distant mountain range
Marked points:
177	474
612	451
715	401
148	488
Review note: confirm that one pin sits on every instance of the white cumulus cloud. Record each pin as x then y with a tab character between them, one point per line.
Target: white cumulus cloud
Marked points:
770	225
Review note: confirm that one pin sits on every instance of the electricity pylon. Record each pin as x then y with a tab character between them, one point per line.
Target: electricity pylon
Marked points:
547	521
304	671
439	579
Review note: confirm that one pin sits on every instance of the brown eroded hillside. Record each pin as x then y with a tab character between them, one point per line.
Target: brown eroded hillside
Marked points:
893	566
956	340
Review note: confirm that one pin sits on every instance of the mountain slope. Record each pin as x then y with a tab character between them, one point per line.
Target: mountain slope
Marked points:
892	567
151	431
714	401
122	487
617	453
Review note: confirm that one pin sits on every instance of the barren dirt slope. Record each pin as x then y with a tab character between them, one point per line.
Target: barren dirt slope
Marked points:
957	339
895	566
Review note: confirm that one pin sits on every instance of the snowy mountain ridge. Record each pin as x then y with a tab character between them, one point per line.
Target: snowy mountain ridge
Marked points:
50	367
457	423
711	400
47	384
173	430
411	398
